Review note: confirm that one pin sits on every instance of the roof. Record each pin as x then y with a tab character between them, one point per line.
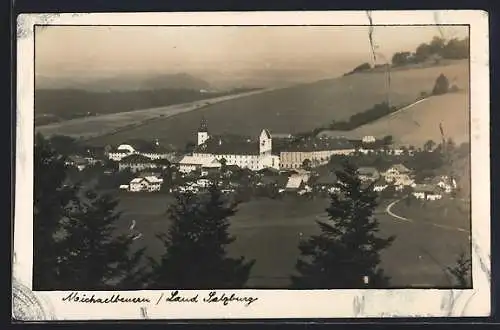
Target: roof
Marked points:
316	144
125	147
294	181
400	168
281	136
326	179
266	132
213	164
136	180
136	159
367	171
196	160
426	188
159	149
229	145
153	179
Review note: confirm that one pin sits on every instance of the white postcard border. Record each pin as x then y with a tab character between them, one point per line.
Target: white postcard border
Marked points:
32	305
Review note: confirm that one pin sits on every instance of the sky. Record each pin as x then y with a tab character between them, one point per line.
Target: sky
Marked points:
217	52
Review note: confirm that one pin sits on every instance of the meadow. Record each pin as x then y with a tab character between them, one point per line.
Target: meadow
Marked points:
420	123
269	231
291	110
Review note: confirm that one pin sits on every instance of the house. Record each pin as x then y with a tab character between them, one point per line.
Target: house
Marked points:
149	183
380	186
368	174
444	182
136	163
77	161
326	182
245	152
317	151
153	151
294	183
397	172
212	167
203	183
157	152
368	139
426	192
122	151
188	163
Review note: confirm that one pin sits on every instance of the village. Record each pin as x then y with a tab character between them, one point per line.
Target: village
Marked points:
272	165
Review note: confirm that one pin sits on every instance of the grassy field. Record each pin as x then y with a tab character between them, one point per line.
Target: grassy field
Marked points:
269	231
87	127
420	123
295	109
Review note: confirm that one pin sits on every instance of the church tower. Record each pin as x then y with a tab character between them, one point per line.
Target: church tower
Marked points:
265	142
202	132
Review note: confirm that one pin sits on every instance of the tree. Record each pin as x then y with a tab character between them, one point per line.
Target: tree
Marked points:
196	242
461	271
306	164
436	46
401	58
422	52
347	248
75	245
51	197
64	145
96	257
429	145
441	86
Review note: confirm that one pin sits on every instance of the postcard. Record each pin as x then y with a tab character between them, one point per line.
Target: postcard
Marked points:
252	165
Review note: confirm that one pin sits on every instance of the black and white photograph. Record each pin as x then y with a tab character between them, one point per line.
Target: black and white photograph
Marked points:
212	164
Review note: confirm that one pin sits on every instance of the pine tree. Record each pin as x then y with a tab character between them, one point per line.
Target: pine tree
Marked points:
196	255
75	242
51	197
97	257
347	248
461	271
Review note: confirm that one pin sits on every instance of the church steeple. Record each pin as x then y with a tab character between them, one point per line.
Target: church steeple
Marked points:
203	125
203	132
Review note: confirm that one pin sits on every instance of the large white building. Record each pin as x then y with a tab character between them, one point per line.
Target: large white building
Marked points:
234	150
316	151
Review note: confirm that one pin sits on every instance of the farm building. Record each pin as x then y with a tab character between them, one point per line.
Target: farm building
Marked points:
188	164
296	182
149	183
427	192
444	182
326	182
397	173
380	186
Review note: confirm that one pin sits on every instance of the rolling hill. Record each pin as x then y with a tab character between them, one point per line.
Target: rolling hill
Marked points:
420	123
124	82
298	108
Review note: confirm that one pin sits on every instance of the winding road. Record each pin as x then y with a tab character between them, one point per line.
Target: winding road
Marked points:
400	218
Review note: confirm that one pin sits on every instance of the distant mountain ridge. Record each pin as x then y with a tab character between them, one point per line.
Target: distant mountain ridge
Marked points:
129	82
